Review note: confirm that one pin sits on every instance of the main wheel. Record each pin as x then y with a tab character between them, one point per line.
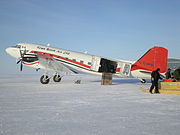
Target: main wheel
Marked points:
44	79
57	78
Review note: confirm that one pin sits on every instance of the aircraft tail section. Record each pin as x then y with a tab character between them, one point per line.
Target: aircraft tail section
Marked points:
155	58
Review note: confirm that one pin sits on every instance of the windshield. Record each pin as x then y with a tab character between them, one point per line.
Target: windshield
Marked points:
17	46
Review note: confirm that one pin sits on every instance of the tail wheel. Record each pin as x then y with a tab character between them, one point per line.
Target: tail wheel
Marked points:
57	78
143	81
44	79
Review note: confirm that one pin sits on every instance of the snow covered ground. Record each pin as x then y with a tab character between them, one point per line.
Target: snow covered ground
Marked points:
30	108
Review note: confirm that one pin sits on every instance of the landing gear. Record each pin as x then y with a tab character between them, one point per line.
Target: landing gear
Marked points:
44	79
57	78
143	81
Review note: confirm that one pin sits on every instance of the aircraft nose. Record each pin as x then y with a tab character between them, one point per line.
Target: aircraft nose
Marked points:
13	52
8	50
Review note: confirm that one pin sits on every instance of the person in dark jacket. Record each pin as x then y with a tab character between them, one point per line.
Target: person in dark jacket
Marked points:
168	73
155	76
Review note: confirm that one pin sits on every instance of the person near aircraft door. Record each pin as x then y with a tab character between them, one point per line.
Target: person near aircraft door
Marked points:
155	76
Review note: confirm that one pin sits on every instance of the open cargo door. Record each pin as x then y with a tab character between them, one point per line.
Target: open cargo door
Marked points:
95	64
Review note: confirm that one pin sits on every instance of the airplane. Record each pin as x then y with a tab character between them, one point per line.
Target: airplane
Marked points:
60	60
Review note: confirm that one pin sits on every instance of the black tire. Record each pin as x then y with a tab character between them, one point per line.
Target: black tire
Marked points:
44	79
143	81
57	78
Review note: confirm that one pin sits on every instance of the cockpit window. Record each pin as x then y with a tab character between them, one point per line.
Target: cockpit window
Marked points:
17	46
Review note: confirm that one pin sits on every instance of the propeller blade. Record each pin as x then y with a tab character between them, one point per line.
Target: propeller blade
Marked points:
20	53
21	67
24	52
21	58
18	61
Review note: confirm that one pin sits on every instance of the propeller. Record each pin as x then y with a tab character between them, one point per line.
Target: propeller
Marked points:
21	59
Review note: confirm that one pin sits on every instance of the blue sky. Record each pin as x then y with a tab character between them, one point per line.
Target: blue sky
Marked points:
121	29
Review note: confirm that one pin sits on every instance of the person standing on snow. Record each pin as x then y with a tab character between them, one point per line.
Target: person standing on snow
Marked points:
155	76
168	73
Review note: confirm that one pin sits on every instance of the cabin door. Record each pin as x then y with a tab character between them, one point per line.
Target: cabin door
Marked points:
126	69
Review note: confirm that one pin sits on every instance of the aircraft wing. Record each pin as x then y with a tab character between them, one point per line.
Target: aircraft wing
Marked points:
53	64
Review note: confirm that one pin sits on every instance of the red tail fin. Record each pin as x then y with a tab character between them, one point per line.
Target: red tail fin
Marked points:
155	58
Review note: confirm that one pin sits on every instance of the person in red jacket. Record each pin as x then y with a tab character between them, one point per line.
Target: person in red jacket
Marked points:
155	76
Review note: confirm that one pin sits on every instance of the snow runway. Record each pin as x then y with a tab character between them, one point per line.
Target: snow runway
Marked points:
30	108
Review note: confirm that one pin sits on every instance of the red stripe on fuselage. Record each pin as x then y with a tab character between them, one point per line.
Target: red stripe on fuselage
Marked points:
60	57
118	69
25	63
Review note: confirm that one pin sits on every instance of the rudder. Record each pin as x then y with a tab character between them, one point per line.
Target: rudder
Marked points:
155	58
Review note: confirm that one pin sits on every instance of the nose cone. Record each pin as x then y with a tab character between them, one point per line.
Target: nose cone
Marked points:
14	52
8	50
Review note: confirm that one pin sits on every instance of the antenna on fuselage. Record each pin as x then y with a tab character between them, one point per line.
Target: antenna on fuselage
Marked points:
85	52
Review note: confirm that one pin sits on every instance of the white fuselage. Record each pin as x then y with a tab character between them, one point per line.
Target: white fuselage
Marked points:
79	62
